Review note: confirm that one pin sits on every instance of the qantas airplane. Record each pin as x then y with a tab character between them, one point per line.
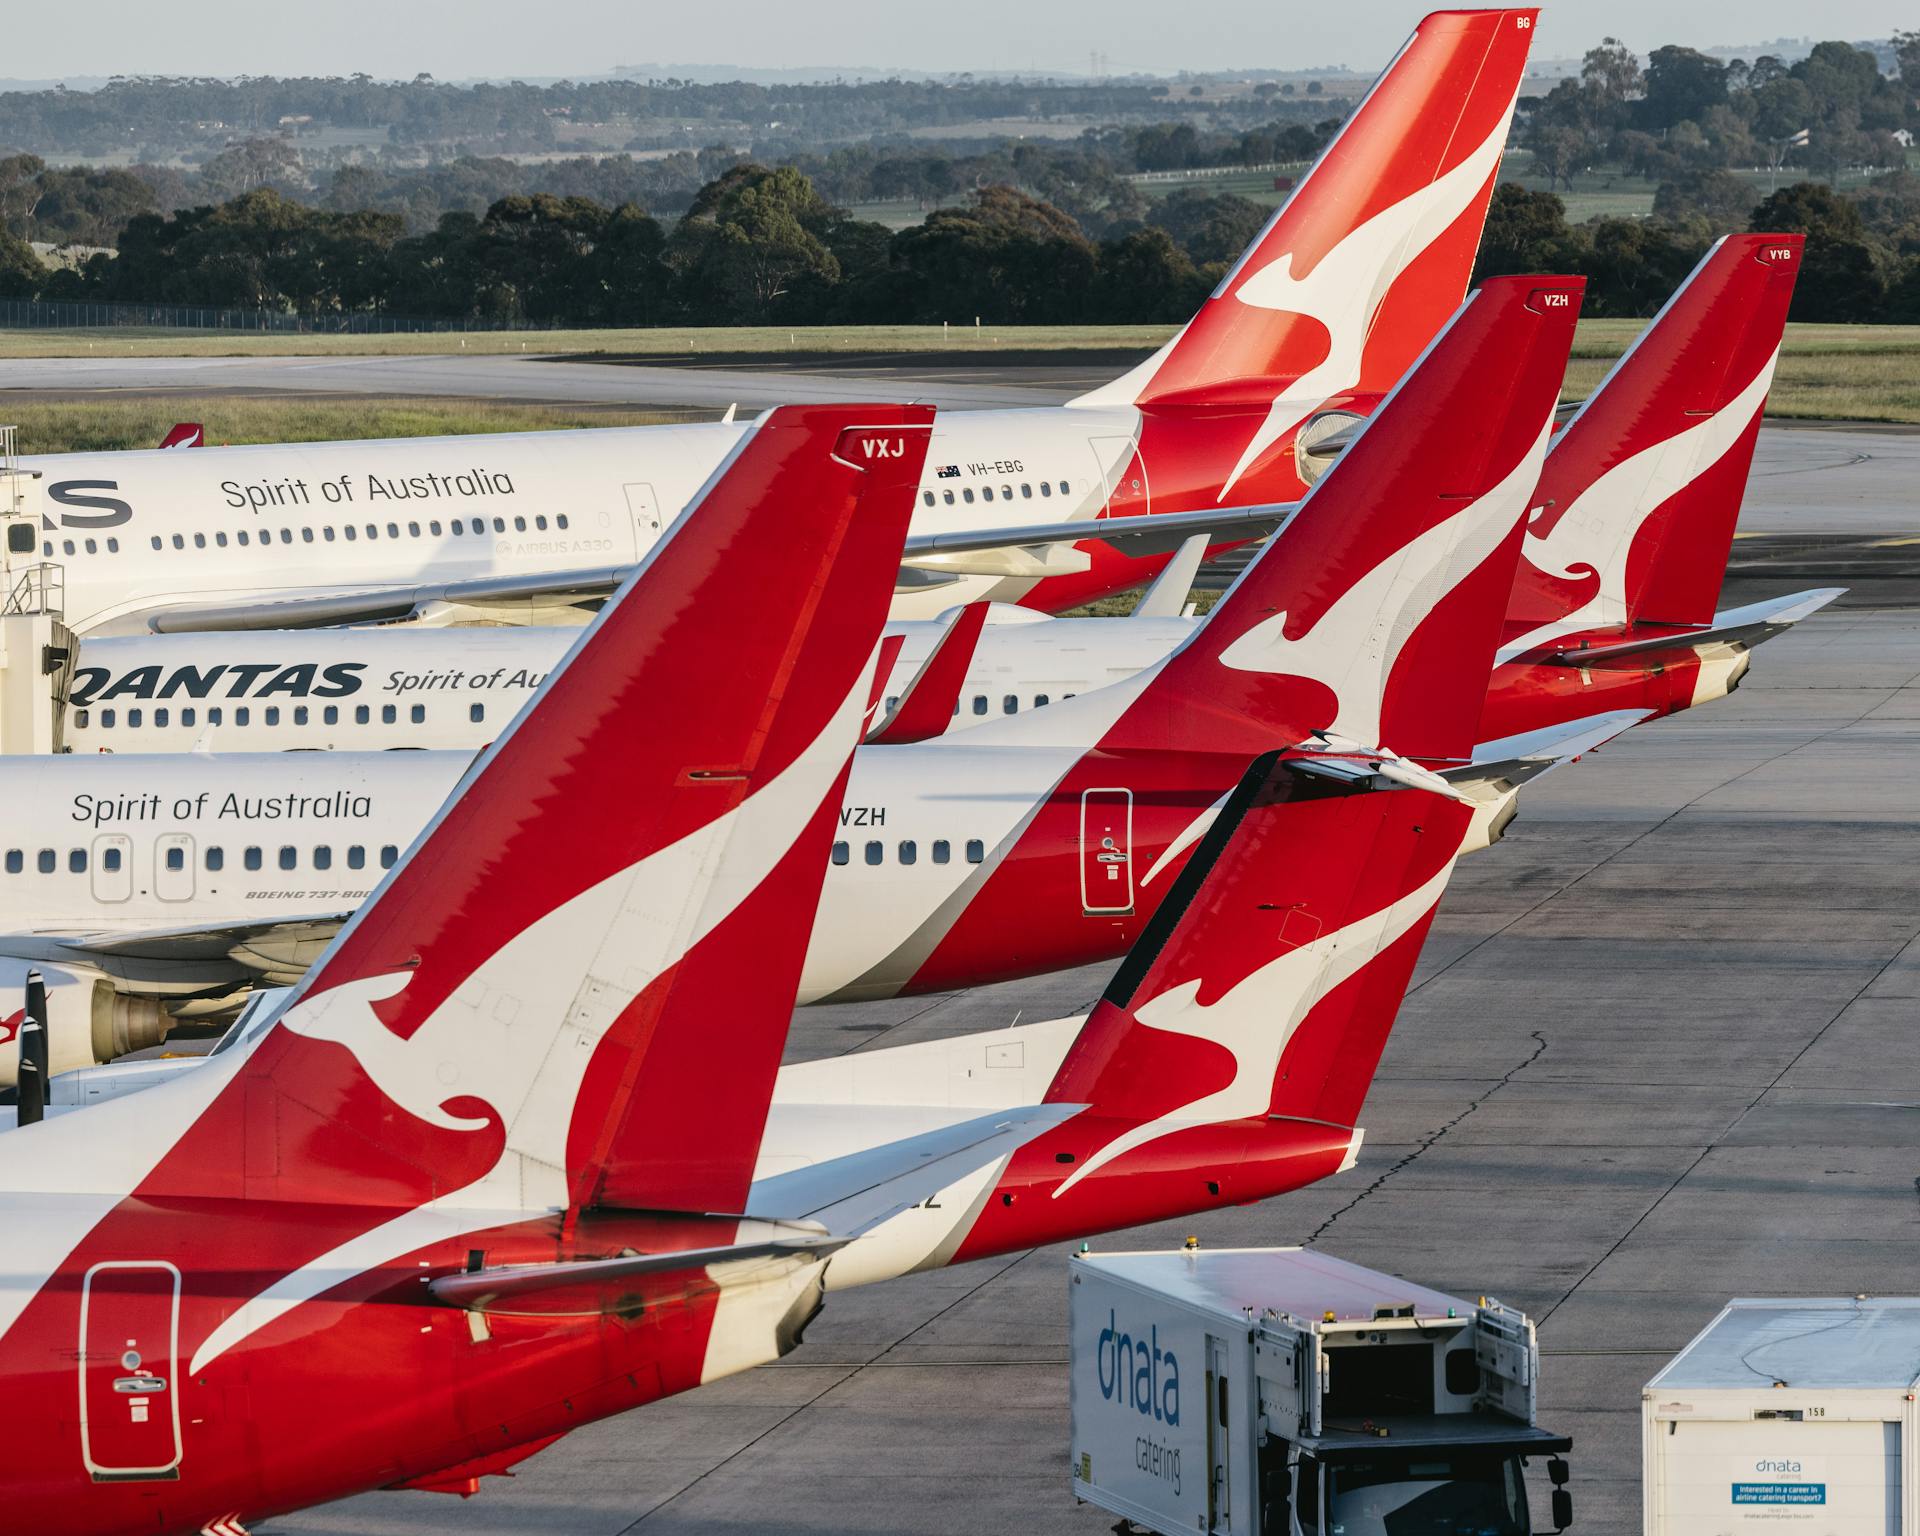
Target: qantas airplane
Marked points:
1042	840
489	1174
1324	311
1640	495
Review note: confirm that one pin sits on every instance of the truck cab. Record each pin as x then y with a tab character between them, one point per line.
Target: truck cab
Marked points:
1333	1400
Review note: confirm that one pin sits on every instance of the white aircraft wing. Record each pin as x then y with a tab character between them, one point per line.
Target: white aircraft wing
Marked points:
930	559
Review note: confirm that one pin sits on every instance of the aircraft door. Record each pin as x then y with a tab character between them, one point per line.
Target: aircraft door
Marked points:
111	861
173	867
1123	476
129	1400
644	507
1106	851
1219	1440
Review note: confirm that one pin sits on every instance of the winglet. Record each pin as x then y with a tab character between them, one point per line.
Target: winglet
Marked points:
1167	597
929	702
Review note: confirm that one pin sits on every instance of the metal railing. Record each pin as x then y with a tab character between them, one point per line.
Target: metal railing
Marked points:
38	588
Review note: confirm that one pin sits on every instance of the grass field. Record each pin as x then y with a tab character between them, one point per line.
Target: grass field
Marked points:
1836	372
83	426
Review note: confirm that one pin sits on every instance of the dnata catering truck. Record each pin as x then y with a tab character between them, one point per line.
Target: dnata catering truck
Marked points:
1788	1415
1282	1392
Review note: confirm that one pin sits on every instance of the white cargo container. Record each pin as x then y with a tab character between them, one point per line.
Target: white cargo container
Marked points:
1788	1415
1283	1392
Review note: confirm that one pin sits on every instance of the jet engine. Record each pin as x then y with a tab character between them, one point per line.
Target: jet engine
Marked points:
87	1022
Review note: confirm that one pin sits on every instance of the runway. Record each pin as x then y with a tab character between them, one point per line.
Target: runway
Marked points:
1661	1052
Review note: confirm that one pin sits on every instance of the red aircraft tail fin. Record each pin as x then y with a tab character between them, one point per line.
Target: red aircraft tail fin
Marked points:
1372	616
1370	253
1267	981
1641	490
185	434
575	988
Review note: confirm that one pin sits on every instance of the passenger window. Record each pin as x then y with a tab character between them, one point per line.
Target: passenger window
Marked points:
1010	705
299	714
176	858
113	546
434	528
457	528
160	717
976	851
187	716
241	536
348	531
926	496
215	714
1045	489
330	715
67	545
272	714
216	860
1026	491
251	858
519	525
106	719
389	713
1006	493
241	714
418	714
908	851
356	857
559	519
949	497
1063	487
326	533
178	543
92	547
286	535
289	858
323	857
1039	701
45	861
133	719
839	853
80	720
942	851
389	856
499	525
220	538
306	535
110	859
156	541
874	853
361	714
476	713
413	530
540	521
393	530
16	861
46	549
979	703
986	493
77	861
966	495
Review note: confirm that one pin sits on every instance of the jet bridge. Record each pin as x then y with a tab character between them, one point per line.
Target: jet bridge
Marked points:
36	647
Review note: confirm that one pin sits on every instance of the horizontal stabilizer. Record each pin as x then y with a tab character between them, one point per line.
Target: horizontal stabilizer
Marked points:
855	1193
632	1282
932	696
1500	766
1167	597
1735	628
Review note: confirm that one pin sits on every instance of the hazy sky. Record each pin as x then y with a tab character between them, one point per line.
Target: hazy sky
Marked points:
558	37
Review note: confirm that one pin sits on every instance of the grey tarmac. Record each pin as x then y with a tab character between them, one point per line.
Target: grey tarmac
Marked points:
1661	1051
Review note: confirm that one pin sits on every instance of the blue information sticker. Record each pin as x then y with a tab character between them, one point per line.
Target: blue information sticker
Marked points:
1779	1493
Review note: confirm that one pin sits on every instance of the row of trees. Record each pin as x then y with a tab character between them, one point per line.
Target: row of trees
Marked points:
763	245
1687	111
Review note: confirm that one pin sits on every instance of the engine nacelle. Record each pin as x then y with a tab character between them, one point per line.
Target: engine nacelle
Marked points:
88	1020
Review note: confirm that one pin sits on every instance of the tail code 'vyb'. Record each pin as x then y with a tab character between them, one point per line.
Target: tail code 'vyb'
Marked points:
1641	490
